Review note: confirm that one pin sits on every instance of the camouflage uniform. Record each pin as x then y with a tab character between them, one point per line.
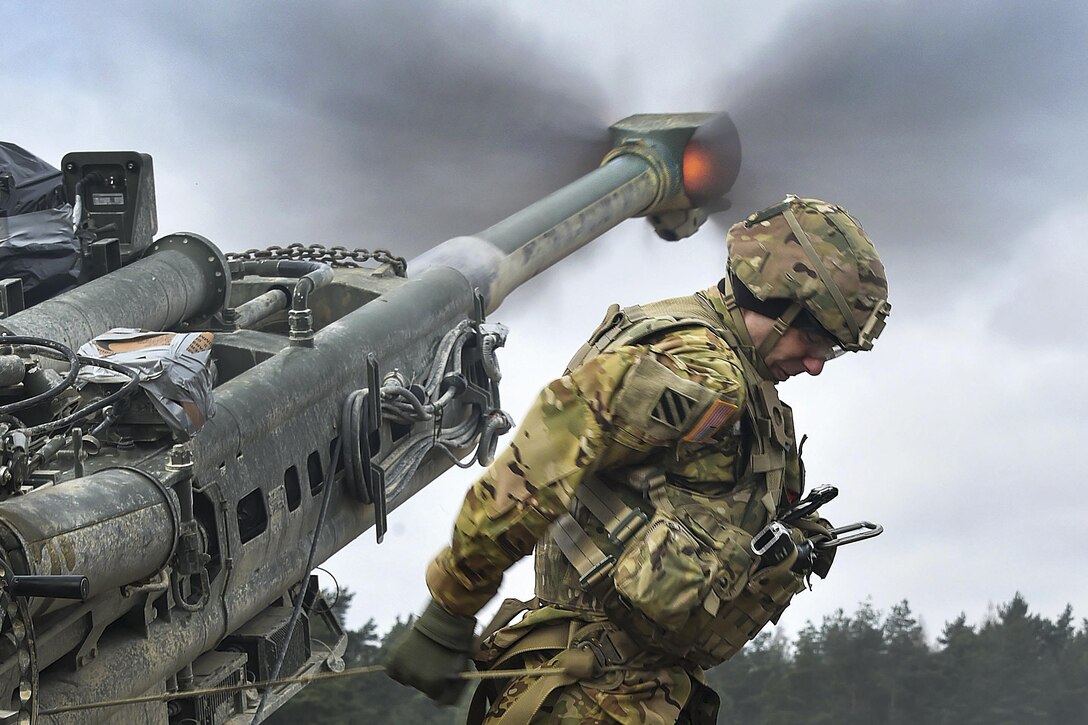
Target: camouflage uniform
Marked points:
575	430
608	418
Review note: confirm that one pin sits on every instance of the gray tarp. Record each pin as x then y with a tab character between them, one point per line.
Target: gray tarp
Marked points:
176	370
40	249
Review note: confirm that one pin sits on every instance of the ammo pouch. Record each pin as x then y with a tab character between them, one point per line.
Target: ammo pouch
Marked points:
682	581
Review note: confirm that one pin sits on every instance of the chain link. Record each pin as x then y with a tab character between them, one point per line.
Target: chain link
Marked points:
336	256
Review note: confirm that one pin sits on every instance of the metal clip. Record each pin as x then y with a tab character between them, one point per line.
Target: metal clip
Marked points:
768	536
627	527
870	530
597	572
816	498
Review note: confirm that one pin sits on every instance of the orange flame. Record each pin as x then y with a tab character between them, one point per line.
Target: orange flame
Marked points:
699	170
711	161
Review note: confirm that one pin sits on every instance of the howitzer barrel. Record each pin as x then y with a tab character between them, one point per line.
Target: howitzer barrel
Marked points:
643	174
182	276
504	256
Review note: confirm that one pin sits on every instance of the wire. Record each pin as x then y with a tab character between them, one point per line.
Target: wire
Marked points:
124	391
325	498
305	679
335	582
351	422
53	391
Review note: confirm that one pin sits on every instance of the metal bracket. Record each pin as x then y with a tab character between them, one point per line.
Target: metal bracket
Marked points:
373	473
105	257
11	296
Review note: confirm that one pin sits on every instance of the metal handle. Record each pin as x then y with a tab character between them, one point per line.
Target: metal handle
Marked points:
865	529
59	586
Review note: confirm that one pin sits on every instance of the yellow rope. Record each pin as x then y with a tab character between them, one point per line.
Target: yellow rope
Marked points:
320	676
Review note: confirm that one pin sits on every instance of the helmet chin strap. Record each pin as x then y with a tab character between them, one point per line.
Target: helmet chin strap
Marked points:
757	356
780	326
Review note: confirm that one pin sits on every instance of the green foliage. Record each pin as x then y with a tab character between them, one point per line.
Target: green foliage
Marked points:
1017	668
867	667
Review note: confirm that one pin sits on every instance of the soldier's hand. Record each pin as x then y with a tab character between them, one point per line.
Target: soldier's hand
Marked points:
433	651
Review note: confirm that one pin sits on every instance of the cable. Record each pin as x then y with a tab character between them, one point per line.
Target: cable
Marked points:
55	390
351	422
125	390
325	498
335	582
307	679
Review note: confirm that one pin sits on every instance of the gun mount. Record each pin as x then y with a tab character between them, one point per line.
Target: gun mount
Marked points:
157	523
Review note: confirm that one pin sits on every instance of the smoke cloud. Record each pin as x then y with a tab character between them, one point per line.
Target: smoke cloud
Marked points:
948	127
367	124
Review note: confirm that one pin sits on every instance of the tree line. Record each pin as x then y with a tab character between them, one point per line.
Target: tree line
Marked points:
1014	668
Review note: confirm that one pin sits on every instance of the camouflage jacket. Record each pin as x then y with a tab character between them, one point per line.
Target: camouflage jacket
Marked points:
583	424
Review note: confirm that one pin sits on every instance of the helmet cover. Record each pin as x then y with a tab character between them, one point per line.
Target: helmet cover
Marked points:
835	273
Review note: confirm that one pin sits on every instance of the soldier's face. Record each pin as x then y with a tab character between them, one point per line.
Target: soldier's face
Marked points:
796	352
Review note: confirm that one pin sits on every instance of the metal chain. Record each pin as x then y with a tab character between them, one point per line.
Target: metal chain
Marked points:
336	256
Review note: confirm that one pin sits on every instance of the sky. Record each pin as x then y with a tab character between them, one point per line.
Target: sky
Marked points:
955	132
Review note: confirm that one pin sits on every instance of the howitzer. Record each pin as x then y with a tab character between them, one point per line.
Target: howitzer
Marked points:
157	527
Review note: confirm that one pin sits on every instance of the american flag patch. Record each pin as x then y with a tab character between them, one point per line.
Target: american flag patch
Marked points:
713	419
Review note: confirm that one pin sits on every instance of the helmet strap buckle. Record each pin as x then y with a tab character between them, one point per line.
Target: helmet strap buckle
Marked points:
781	325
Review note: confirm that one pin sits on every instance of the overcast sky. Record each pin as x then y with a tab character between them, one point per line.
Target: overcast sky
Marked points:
954	131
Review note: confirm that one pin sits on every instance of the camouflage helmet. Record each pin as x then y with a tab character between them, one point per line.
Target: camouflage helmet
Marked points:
816	255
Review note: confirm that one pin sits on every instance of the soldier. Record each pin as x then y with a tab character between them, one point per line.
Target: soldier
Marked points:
641	478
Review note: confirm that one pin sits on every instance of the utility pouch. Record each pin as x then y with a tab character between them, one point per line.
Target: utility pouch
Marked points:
676	574
664	574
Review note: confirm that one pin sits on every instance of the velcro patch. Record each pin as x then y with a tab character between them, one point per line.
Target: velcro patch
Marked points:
711	422
672	408
656	405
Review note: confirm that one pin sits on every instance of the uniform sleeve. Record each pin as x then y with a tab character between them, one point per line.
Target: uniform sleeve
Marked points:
613	410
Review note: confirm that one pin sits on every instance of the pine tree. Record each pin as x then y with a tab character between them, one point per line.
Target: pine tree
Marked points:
906	669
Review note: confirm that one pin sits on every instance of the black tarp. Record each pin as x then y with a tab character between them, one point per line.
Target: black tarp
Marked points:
37	242
27	183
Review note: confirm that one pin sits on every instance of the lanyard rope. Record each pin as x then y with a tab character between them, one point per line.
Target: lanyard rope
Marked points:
317	677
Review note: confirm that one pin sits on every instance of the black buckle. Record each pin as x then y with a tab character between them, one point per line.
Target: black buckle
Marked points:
597	572
620	534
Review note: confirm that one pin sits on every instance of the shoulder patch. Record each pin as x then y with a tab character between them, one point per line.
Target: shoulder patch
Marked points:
713	419
657	405
672	408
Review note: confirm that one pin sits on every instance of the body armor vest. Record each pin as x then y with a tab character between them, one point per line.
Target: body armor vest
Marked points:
666	557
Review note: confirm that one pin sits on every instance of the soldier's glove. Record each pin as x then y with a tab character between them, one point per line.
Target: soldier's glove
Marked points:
811	557
434	650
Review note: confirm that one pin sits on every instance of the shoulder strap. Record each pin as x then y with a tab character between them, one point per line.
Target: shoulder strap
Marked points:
619	521
631	324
